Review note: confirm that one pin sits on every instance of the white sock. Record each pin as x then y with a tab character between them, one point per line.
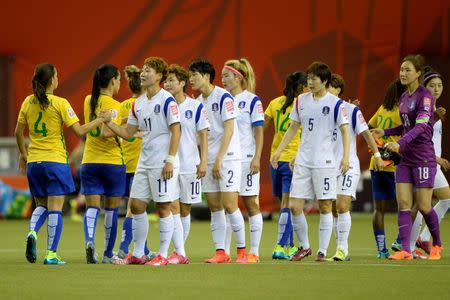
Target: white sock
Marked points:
440	208
238	227
325	230
282	221
218	224
52	223
186	221
335	229
415	230
177	236
91	218
37	213
140	232
107	225
227	234
301	229
256	227
344	223
165	234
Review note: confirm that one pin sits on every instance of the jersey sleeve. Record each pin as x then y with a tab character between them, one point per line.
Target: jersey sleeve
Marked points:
21	118
340	114
132	119
171	111
373	121
201	118
268	111
227	109
256	112
294	112
115	113
123	113
68	115
359	121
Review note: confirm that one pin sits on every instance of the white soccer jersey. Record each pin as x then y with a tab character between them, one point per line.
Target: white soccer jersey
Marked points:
154	116
437	138
193	119
251	114
220	107
357	125
318	119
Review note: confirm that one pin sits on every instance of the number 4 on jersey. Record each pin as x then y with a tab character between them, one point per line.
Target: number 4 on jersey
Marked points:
42	131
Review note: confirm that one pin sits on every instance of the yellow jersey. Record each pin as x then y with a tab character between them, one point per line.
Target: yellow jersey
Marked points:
132	147
385	119
45	128
98	149
281	123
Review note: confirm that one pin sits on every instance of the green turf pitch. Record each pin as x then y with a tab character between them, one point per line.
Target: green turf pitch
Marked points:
364	277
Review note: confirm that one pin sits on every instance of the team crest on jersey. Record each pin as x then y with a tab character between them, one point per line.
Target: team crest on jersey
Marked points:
71	113
259	108
114	114
361	119
412	104
188	114
157	109
241	104
229	106
325	110
174	110
215	107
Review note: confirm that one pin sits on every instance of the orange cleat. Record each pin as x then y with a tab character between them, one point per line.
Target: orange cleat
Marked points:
252	258
241	256
401	255
435	253
424	245
219	258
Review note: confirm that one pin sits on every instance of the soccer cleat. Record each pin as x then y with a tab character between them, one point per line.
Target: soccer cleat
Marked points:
52	259
424	245
396	246
241	256
290	252
383	254
278	252
418	255
30	252
91	257
320	257
110	260
151	255
401	255
219	258
158	261
131	260
121	254
177	259
435	253
301	254
252	258
339	256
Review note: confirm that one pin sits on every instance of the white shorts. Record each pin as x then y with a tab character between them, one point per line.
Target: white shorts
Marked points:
439	180
249	183
313	184
347	184
230	180
148	184
190	188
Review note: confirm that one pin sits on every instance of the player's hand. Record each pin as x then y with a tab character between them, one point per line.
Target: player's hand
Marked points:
345	166
377	133
291	165
274	160
379	164
201	170
440	111
167	171
445	164
106	115
393	147
22	164
254	165
217	168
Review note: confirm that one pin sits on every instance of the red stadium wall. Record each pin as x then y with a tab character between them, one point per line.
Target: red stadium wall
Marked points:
362	40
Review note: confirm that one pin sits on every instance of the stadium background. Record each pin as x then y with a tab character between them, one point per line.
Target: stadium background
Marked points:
362	40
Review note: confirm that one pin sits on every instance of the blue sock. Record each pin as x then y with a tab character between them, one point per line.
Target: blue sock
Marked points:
288	227
127	234
38	218
146	250
54	228
110	230
380	240
90	222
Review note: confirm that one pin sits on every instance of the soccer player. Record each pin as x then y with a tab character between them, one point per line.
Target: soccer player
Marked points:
194	123
238	78
131	149
277	113
46	160
156	114
222	181
103	168
417	168
383	181
347	183
318	112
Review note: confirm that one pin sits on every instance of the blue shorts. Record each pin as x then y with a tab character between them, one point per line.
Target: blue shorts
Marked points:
128	183
383	185
49	179
281	179
103	179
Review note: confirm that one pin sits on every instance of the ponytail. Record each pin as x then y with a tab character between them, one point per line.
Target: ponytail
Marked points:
42	78
133	75
293	82
102	77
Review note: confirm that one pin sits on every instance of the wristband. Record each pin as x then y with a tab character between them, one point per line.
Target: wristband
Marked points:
170	159
377	155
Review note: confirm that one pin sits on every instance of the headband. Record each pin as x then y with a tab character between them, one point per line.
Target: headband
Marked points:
430	76
235	71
